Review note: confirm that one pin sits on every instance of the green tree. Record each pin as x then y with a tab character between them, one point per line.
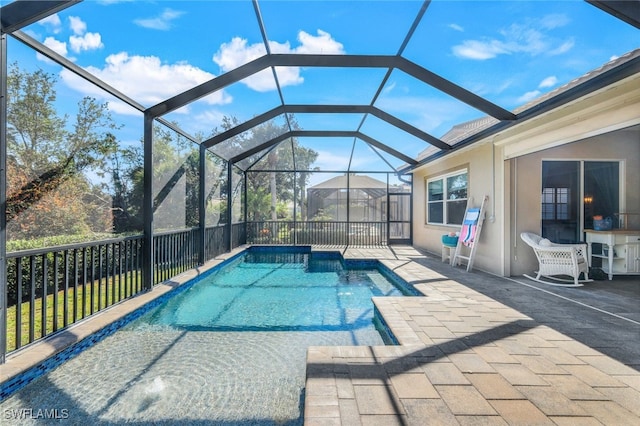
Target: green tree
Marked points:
287	157
46	152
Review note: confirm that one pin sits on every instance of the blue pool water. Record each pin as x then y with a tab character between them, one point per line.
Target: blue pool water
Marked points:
278	292
230	348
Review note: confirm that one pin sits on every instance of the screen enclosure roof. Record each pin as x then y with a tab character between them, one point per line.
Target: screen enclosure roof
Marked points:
366	85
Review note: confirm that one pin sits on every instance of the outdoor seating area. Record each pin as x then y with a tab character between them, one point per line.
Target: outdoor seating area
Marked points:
558	261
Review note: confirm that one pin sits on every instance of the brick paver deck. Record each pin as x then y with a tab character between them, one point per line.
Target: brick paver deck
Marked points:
464	358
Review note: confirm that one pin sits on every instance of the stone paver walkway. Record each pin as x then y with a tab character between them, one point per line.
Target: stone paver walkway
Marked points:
464	358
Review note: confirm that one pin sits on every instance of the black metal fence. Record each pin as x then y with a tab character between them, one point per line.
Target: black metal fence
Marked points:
317	233
51	288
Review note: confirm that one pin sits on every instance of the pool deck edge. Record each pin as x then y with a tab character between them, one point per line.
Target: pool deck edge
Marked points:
33	355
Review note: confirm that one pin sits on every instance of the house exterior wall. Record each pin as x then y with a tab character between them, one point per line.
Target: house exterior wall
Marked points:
623	145
485	178
507	167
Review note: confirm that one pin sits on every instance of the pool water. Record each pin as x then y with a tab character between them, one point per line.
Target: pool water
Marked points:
231	348
278	292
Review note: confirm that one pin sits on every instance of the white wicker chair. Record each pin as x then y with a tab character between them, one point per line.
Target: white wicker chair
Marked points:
558	260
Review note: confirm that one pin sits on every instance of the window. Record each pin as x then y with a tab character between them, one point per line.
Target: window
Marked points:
555	203
447	198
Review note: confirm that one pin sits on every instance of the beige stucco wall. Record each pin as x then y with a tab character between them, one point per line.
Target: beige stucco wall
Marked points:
623	145
507	167
483	180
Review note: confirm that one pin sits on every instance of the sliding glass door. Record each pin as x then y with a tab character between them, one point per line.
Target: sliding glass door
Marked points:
601	191
560	201
573	192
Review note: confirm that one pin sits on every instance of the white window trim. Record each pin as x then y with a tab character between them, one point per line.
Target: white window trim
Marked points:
443	178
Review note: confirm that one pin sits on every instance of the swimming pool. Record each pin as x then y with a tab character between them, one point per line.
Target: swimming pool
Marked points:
230	348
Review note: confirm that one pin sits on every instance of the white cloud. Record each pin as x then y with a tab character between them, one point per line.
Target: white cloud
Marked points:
548	82
389	88
555	20
529	96
52	22
60	47
479	50
77	25
532	38
161	22
88	41
208	120
323	43
81	39
238	52
563	48
456	27
145	79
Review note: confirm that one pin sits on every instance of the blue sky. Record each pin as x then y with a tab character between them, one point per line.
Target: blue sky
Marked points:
506	51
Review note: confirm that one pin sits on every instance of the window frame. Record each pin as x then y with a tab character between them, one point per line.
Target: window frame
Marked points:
443	178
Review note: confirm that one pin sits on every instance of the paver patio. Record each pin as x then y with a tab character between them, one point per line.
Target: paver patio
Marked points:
467	358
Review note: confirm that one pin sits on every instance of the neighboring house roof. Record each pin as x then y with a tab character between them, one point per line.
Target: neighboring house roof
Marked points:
461	131
355	182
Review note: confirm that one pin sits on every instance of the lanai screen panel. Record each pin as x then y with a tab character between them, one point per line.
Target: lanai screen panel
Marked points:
422	106
215	189
369	27
326	197
73	157
513	52
175	180
270	196
367	198
332	86
250	139
236	198
497	56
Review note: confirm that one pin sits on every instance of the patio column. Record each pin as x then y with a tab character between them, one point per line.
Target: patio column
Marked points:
348	210
3	197
295	202
147	205
202	205
229	205
244	203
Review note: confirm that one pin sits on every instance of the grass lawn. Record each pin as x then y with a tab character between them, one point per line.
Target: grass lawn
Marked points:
83	300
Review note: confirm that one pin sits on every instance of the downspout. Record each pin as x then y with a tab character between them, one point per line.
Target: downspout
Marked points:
492	217
514	238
